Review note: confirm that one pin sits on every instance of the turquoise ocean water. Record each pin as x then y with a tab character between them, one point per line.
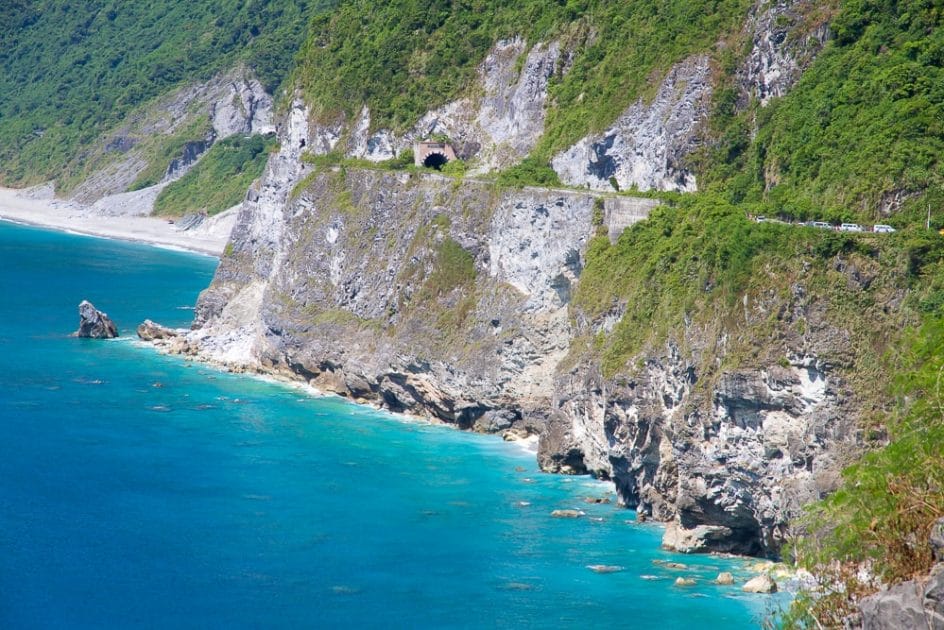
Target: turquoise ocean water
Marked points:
138	490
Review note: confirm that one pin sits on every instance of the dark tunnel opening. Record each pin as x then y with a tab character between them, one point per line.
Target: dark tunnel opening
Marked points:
435	160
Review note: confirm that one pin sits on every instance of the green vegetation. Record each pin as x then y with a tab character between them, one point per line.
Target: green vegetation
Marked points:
530	172
865	122
71	70
454	267
165	149
403	58
219	180
684	259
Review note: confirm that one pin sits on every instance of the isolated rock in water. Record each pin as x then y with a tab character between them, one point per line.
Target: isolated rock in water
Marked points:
684	581
149	331
94	324
566	513
605	568
724	578
760	584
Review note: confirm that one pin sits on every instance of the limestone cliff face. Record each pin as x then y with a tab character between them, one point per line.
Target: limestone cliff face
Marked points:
496	126
409	290
647	145
785	37
452	299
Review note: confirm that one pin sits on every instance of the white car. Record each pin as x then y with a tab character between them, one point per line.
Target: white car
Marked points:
850	227
821	225
883	229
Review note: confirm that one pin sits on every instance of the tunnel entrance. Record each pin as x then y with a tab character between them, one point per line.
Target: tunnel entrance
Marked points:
433	154
435	160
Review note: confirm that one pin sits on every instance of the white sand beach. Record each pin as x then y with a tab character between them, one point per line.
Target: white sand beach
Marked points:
210	238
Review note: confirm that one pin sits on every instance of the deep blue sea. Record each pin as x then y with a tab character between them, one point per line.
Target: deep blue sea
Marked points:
138	490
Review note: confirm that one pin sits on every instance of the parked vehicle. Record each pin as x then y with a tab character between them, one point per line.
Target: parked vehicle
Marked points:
761	219
883	229
821	224
850	227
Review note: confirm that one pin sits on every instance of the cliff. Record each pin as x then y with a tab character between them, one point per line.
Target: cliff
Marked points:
460	300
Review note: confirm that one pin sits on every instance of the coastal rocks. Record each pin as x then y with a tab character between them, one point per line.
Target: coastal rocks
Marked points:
150	331
724	579
760	584
912	604
648	144
699	539
683	581
94	324
567	513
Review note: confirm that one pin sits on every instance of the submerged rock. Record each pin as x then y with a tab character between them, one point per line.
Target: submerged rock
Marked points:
760	584
682	581
94	324
566	513
605	568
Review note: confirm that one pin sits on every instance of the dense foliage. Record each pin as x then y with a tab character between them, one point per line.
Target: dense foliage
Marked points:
73	69
219	180
403	58
865	122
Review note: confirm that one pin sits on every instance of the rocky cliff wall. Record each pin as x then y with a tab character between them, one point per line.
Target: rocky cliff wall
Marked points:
452	299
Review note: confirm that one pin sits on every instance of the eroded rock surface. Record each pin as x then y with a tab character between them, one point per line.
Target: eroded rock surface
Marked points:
648	144
94	324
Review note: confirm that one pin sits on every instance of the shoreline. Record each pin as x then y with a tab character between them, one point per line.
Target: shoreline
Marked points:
64	216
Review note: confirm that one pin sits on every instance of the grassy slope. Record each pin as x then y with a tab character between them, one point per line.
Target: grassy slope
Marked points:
73	69
219	180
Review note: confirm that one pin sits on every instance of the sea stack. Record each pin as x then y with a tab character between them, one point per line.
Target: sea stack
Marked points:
94	324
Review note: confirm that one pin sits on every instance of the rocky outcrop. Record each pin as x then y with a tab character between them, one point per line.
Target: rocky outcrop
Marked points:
785	38
151	331
453	300
494	129
647	146
230	103
94	324
916	603
760	584
912	604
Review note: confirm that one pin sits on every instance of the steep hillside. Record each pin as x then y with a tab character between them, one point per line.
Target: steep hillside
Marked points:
73	70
